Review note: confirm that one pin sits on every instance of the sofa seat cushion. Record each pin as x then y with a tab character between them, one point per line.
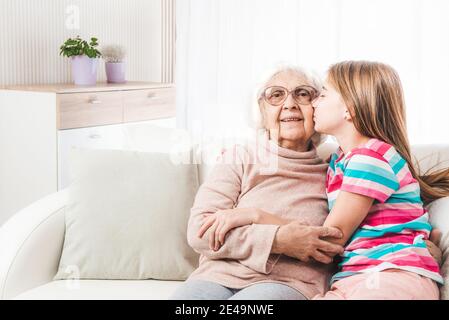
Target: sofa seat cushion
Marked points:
102	290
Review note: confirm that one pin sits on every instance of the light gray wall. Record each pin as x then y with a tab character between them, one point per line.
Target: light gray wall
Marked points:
31	32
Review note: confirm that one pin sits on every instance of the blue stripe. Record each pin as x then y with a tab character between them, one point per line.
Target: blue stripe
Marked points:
394	185
372	169
396	228
379	251
398	166
411	194
397	163
394	199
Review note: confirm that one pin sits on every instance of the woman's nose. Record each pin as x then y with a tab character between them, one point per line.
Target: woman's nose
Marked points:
290	102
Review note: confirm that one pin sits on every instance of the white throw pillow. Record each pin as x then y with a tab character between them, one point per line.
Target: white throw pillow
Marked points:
127	216
439	218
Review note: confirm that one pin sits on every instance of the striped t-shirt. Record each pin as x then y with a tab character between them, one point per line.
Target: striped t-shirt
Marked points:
392	234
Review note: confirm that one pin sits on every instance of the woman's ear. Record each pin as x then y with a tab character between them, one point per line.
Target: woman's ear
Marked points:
263	115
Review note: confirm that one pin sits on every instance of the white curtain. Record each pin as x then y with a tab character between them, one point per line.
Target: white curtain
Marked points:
223	46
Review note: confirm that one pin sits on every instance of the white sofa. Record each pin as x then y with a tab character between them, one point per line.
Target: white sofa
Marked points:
31	244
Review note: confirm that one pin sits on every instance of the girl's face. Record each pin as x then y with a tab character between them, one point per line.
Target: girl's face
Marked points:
330	111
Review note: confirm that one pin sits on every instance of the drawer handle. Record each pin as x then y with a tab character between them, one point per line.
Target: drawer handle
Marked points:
151	95
95	101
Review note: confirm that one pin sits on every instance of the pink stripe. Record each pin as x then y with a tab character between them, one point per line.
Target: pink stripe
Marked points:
371	243
395	206
365	191
368	184
361	264
412	260
402	212
377	221
360	267
424	263
334	184
416	252
406	233
383	147
375	145
368	243
368	152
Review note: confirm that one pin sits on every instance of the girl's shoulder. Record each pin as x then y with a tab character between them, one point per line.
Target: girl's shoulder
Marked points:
377	149
375	155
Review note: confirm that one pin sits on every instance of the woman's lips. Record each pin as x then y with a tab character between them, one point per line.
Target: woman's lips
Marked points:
291	120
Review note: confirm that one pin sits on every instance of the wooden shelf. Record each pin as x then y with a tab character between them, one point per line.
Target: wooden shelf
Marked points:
62	88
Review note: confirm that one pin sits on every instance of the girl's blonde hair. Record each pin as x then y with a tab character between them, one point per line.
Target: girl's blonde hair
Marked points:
373	94
257	120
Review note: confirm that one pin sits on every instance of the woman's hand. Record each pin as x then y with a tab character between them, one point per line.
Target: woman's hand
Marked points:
222	221
433	243
305	242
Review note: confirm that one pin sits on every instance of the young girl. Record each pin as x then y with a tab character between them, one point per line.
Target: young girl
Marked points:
376	197
374	192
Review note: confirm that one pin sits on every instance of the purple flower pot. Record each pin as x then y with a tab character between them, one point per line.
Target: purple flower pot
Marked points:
84	70
115	72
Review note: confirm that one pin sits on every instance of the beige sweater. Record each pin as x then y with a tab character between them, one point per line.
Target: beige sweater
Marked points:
277	180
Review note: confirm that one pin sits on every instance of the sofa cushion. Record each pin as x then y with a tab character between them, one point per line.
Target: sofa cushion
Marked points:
102	290
127	216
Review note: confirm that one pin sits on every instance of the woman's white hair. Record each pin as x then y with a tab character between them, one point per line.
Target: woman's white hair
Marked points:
312	79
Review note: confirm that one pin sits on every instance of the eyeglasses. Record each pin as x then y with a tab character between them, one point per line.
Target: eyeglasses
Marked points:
277	95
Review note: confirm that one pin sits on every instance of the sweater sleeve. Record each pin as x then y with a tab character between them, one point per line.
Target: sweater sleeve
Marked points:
250	245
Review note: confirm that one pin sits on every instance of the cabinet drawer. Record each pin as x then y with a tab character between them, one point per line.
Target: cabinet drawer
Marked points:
102	137
78	110
140	105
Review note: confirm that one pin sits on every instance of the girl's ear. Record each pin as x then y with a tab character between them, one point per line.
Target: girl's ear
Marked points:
347	115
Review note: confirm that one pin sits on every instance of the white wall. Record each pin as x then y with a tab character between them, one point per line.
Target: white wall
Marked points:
31	32
222	53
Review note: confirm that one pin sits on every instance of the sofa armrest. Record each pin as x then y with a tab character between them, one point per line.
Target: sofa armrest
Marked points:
439	218
31	244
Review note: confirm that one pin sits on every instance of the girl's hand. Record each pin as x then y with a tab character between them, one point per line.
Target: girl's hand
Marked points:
433	243
221	222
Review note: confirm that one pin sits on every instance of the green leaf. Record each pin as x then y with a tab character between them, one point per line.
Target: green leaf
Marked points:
75	47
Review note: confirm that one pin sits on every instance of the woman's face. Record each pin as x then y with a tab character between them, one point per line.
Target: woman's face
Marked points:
330	111
291	121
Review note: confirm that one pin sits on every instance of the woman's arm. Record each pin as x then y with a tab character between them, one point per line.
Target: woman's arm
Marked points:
250	244
224	221
264	217
293	238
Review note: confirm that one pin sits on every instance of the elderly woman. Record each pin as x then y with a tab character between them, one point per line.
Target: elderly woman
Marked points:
289	259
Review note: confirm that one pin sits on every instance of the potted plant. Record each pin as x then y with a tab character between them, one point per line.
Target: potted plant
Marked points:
84	58
114	56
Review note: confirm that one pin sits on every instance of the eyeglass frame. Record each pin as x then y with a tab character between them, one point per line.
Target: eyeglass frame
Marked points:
315	91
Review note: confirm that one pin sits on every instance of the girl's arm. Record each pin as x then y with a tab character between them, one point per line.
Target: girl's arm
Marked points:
348	212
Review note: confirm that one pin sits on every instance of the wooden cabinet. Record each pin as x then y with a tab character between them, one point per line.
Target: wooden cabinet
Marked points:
148	104
39	124
78	110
